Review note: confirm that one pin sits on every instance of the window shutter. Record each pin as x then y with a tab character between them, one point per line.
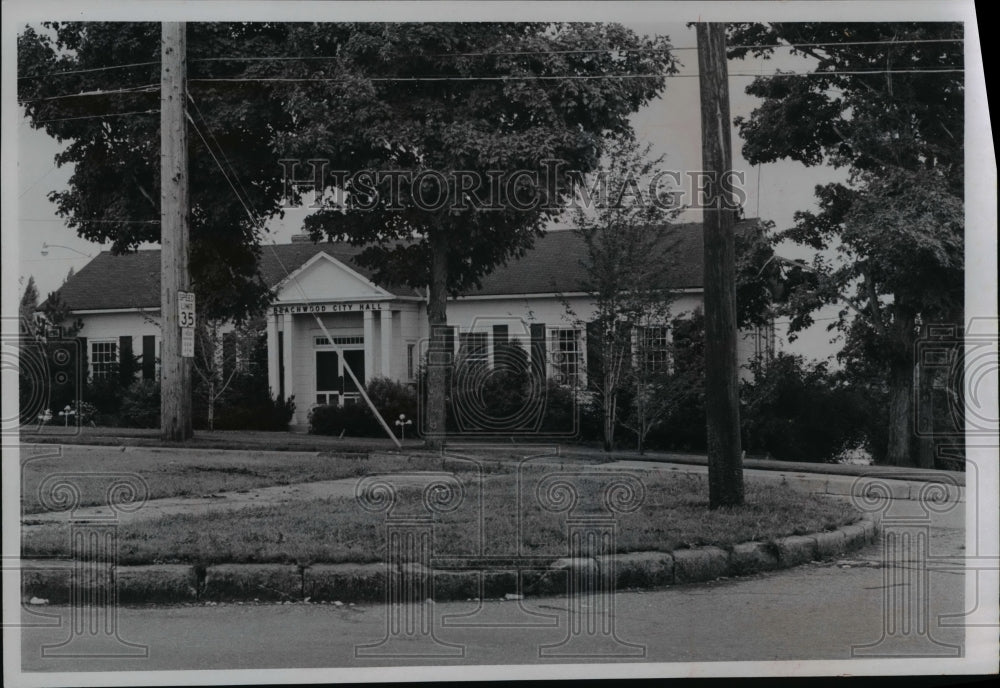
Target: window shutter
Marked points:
538	350
594	363
228	354
84	358
148	357
499	340
126	370
449	340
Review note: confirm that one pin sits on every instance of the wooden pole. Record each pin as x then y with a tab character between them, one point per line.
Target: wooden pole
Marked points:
175	371
725	462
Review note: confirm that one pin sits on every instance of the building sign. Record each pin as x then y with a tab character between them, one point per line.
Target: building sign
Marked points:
187	342
331	307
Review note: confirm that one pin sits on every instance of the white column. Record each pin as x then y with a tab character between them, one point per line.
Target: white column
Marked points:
288	341
369	345
385	327
272	353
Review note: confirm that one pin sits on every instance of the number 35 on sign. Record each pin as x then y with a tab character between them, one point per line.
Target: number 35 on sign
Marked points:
185	308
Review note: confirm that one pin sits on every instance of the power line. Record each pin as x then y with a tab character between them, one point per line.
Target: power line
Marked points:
838	44
102	116
92	221
222	152
507	53
89	70
525	77
225	176
32	185
584	51
131	90
567	77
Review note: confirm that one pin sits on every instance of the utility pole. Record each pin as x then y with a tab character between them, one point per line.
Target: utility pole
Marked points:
175	369
722	404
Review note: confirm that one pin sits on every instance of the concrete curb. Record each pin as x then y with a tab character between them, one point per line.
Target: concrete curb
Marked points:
52	580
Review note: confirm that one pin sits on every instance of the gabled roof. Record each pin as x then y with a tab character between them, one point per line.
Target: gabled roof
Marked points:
555	264
132	280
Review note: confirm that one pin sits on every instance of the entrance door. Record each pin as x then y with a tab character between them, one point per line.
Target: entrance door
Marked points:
356	359
328	381
333	384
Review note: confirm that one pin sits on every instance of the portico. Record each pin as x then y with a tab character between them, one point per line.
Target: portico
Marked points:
327	321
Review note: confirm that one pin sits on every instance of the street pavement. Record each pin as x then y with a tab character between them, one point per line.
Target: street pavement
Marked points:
890	598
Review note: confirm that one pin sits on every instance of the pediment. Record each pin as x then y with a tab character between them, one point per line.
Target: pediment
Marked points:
324	278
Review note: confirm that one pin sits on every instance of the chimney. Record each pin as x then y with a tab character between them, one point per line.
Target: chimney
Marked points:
301	239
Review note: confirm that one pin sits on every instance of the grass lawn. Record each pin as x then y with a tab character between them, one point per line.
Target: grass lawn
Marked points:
674	514
184	473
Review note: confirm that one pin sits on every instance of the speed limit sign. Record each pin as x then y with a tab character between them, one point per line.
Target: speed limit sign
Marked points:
185	308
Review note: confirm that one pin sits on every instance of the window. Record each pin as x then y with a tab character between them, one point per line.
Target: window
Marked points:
103	360
653	348
410	351
474	348
564	356
340	341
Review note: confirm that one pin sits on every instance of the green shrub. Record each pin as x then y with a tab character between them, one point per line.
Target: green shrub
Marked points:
353	420
391	398
272	414
799	411
562	412
140	405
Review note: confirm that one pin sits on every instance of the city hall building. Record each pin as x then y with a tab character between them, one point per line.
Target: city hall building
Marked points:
381	331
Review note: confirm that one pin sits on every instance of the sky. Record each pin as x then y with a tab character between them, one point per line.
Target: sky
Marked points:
671	124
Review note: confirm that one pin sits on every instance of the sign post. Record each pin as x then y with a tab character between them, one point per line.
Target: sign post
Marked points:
175	369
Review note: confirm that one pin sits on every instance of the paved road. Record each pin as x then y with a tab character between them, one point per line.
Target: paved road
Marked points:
818	611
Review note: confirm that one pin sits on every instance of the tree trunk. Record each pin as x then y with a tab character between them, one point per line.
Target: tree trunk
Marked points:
610	401
439	360
211	406
901	414
926	441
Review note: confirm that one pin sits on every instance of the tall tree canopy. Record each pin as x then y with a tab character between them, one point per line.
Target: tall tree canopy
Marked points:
471	97
95	87
445	107
886	103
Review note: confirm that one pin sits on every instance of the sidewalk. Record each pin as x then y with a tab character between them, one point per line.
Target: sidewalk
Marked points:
814	483
290	441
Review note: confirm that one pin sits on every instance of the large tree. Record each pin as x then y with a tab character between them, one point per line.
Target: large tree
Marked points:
444	105
885	102
94	87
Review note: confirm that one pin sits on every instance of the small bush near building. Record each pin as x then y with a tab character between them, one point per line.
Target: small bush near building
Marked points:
260	413
140	405
561	405
391	398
